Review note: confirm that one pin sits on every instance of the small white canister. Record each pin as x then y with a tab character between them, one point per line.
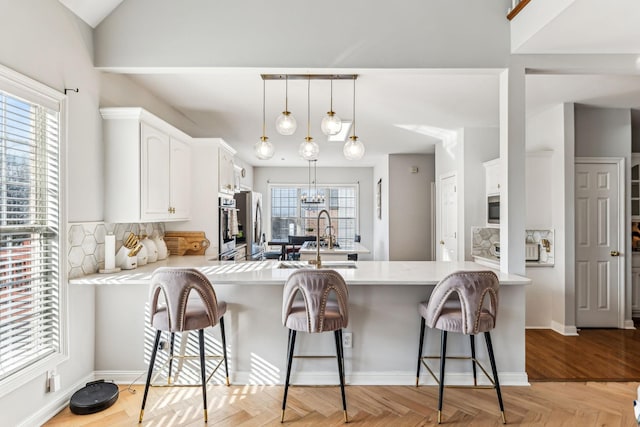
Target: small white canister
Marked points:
152	250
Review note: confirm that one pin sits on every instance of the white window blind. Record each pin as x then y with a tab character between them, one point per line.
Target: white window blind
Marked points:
30	318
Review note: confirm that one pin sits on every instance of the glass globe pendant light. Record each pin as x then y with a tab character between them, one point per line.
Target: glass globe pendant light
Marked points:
309	149
353	149
285	123
263	149
331	124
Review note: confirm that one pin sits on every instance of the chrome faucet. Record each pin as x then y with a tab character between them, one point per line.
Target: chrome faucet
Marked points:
317	262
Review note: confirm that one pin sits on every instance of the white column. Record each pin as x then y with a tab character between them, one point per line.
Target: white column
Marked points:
512	155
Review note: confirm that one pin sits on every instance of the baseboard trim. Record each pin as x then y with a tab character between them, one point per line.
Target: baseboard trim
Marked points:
628	324
331	378
49	410
567	330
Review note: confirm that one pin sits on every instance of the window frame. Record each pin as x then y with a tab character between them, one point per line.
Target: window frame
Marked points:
29	89
303	186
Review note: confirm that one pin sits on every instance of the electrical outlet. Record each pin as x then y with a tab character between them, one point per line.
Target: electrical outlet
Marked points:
347	339
53	381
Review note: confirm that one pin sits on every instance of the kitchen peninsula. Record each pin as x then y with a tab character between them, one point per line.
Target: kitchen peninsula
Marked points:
383	318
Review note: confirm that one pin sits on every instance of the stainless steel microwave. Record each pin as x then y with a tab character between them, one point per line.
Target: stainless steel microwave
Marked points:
493	210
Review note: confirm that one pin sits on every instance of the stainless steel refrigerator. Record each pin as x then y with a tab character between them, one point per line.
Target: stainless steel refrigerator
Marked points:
249	205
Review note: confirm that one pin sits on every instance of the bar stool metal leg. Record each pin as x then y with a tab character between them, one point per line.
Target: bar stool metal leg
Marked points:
422	325
443	358
339	356
151	363
203	372
224	349
487	337
472	339
292	344
173	339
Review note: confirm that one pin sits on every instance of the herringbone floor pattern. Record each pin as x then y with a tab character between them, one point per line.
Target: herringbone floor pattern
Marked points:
542	404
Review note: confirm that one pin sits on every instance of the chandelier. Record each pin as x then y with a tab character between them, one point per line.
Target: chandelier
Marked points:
330	125
312	197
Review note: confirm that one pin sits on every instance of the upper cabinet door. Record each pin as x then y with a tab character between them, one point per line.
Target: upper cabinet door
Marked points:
155	173
225	172
180	187
492	173
635	187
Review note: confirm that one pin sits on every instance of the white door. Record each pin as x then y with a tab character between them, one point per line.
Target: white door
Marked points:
448	247
597	227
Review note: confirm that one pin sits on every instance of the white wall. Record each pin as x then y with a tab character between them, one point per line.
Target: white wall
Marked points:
606	132
480	145
198	33
410	236
364	176
545	132
45	42
381	225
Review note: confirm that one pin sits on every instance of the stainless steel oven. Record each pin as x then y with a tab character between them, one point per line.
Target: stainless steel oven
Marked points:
227	215
493	210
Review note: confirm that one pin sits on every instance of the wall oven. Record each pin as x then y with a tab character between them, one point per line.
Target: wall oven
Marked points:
226	218
493	210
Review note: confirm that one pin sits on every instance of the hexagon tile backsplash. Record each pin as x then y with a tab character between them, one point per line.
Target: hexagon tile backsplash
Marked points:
86	243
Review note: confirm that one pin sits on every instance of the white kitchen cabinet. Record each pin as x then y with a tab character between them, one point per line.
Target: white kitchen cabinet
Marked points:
635	186
492	174
635	291
226	172
147	168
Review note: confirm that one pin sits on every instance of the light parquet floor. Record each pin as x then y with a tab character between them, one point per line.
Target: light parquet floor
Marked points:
542	404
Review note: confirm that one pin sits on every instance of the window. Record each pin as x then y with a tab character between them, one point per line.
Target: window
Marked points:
30	219
289	216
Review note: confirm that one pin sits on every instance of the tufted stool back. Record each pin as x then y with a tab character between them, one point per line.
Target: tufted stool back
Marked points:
314	312
182	313
457	303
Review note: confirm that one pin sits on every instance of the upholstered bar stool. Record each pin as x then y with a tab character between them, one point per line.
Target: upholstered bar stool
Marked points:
306	308
457	304
183	312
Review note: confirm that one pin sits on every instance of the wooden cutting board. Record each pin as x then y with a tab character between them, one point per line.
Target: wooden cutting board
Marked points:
186	242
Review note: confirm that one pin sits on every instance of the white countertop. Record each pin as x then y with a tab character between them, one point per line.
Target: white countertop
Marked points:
492	260
268	273
353	248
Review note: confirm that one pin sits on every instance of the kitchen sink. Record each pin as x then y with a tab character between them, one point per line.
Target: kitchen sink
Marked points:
325	264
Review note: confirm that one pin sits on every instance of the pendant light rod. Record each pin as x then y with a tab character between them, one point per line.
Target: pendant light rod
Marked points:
286	93
331	96
264	123
353	125
308	76
308	108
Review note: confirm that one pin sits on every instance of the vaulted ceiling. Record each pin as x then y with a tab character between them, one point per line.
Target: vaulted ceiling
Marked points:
400	111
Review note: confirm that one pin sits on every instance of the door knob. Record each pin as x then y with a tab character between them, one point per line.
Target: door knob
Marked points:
442	242
615	253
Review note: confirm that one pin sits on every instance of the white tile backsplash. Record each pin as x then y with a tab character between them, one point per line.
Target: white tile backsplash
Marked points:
86	243
483	239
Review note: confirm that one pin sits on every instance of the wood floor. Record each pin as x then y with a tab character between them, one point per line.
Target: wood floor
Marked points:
561	394
542	404
596	355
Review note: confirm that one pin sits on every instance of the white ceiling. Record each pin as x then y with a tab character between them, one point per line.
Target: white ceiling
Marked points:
91	11
580	26
397	111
